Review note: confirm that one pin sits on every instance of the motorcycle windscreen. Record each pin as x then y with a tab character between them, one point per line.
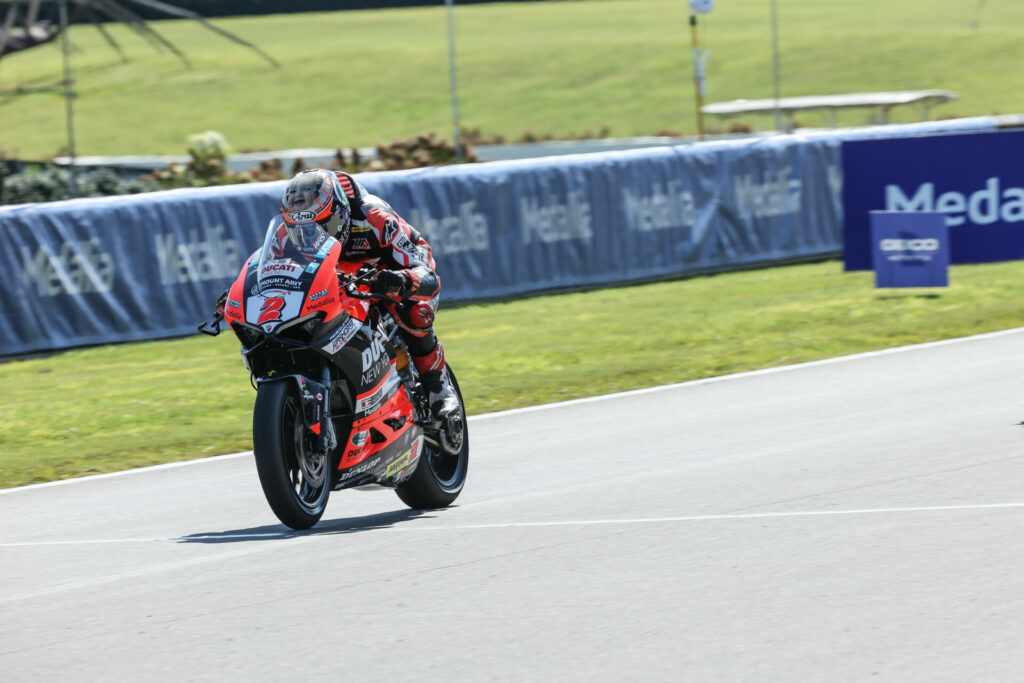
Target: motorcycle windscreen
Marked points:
288	244
290	257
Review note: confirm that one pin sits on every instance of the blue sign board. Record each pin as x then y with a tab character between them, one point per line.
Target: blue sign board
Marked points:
976	180
911	249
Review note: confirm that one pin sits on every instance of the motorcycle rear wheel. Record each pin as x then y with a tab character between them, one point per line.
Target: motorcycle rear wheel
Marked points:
439	477
295	481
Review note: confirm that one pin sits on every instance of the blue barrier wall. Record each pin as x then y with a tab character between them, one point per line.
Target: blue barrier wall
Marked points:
117	269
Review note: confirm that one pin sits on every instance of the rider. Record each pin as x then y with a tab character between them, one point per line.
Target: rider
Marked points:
371	231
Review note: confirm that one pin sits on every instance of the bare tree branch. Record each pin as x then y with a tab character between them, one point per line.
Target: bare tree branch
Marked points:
106	34
135	22
115	9
188	14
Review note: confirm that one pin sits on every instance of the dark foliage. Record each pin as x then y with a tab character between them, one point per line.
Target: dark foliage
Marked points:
51	184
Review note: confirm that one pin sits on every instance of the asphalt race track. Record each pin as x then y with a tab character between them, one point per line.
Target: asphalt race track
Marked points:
854	520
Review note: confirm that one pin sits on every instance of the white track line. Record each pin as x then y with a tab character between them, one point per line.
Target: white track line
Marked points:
574	402
515	525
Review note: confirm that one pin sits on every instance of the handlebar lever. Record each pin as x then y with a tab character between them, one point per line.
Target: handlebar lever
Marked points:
212	327
362	277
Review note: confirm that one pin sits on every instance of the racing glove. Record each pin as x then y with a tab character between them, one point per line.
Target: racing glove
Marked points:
393	284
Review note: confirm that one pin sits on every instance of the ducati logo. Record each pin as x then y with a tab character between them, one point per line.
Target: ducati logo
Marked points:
372	354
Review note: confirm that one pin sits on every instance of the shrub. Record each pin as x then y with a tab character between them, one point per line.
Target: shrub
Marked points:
53	184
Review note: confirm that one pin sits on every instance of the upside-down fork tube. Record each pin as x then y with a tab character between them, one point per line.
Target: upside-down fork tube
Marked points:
314	398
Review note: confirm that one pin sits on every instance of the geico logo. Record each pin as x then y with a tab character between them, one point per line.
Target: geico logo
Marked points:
909	245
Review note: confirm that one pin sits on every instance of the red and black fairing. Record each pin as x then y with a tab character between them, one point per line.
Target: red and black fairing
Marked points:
296	323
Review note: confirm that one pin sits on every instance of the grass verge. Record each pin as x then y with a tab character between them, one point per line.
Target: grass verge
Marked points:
115	407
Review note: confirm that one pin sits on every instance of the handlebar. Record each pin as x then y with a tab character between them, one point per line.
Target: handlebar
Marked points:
362	277
365	296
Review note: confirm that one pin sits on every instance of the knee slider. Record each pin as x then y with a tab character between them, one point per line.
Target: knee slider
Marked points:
421	315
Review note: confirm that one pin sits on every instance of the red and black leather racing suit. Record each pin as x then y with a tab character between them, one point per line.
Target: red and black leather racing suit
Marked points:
380	237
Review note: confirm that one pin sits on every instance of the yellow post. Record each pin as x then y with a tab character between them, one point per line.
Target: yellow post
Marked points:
698	76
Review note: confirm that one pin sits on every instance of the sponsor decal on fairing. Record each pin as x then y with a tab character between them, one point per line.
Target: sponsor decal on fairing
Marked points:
281	268
321	254
398	463
375	361
343	335
322	304
373	352
325	248
268	283
359	469
269	309
370	403
402	466
375	371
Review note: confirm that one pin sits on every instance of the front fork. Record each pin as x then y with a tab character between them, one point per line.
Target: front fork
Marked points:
314	398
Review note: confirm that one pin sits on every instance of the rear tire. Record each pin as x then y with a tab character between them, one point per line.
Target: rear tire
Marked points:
296	482
439	477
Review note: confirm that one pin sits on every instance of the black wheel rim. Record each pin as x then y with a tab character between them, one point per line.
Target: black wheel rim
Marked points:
449	470
307	471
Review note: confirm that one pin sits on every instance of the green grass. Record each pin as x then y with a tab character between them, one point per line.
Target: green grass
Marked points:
358	77
115	407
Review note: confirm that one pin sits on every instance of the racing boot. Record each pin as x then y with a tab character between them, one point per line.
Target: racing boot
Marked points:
445	409
442	399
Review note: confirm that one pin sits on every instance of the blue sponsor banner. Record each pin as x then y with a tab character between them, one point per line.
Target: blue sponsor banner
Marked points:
911	249
975	179
95	271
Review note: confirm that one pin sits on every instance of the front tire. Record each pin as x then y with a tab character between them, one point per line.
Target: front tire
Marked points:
296	481
439	477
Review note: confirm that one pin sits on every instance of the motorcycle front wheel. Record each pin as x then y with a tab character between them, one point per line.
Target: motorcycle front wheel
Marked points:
439	477
296	481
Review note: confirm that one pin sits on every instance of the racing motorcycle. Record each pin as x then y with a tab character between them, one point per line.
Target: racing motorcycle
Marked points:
338	404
